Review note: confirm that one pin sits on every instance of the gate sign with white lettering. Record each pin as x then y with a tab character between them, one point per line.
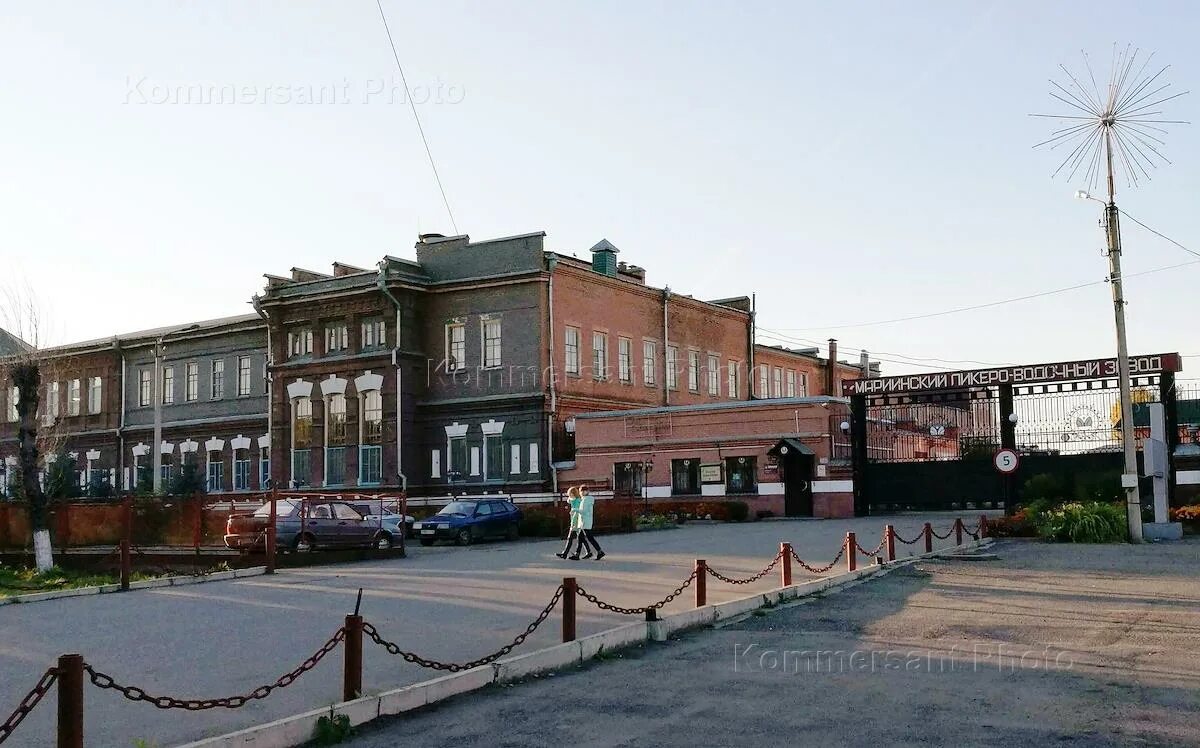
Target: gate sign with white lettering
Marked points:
1101	368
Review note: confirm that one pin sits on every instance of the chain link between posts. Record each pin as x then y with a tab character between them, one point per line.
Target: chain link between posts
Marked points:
637	611
29	703
820	570
717	575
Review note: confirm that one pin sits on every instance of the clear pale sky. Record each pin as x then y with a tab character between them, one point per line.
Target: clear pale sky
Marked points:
847	162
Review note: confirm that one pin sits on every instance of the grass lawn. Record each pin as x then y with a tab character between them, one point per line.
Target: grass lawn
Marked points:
19	580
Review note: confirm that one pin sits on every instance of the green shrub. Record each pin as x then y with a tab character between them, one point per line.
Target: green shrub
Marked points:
738	511
332	729
1099	487
1044	487
1093	522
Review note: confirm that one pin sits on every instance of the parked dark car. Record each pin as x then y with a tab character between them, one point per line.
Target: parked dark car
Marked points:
303	526
466	521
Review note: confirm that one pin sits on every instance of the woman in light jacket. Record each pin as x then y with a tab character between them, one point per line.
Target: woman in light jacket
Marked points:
586	539
574	500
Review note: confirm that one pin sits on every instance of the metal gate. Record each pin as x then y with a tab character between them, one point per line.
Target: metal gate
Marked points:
932	449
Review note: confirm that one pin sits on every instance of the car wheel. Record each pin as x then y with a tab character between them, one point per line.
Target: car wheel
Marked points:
426	542
464	536
514	531
383	541
303	544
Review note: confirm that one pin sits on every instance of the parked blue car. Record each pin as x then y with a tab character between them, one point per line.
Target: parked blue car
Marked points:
467	521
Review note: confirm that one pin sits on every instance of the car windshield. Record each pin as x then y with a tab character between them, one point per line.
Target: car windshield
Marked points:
459	507
285	508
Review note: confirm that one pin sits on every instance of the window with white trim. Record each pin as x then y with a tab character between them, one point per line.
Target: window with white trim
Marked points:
571	350
733	379
216	473
625	360
777	378
168	385
52	401
95	395
456	457
791	383
491	342
191	389
241	470
13	396
694	371
370	451
714	375
302	422
300	342
764	387
803	384
493	456
649	362
335	440
74	397
672	367
243	376
337	337
374	333
456	346
216	381
264	468
599	356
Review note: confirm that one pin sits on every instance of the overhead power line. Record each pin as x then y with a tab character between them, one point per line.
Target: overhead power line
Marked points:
412	104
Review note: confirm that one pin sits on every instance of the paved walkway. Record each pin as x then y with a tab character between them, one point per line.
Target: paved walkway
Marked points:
1049	645
454	604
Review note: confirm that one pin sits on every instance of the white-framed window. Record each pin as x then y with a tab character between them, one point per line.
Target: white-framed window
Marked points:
13	396
216	473
337	337
803	384
533	458
243	376
241	470
777	379
144	386
625	360
733	379
300	342
335	466
599	356
791	383
491	342
335	440
95	395
302	421
74	397
764	386
456	346
714	375
456	456
168	385
374	333
571	350
264	468
672	367
370	451
191	390
493	457
164	471
53	406
649	362
301	467
217	384
514	463
694	371
435	463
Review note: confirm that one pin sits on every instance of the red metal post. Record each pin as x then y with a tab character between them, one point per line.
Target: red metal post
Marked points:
570	593
70	701
785	550
889	534
958	528
851	552
270	545
126	540
983	526
928	532
701	580
352	664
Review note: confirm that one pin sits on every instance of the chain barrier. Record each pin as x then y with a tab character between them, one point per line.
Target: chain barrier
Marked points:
875	552
942	537
914	541
637	611
455	667
104	681
29	703
971	535
717	575
823	569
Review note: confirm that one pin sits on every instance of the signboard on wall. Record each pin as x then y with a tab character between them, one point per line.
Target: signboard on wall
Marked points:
711	473
1101	368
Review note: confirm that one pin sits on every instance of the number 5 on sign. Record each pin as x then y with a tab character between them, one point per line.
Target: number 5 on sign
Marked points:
1006	461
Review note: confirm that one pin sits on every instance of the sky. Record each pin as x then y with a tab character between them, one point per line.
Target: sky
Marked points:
848	163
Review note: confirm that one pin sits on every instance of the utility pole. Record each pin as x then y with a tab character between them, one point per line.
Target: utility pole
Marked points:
1112	226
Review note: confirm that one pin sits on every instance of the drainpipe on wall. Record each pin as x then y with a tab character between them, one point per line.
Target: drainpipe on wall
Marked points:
551	264
750	368
666	345
156	393
121	420
381	282
831	369
270	379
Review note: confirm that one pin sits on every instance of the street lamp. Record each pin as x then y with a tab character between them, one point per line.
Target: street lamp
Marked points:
1112	230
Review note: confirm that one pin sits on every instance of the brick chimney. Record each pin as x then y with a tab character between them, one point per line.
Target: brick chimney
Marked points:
831	368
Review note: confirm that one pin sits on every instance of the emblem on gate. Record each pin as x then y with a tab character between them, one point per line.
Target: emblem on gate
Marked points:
1081	421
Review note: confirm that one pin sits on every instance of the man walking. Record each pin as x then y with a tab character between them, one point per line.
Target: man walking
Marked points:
586	515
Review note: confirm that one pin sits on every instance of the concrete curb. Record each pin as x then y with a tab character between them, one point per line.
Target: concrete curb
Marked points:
297	730
148	584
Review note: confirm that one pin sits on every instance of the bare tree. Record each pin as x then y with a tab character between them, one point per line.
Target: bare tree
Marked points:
21	317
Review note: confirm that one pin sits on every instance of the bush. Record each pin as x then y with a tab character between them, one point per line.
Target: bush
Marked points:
1099	487
764	513
1044	487
738	511
1019	525
656	522
1185	513
1084	523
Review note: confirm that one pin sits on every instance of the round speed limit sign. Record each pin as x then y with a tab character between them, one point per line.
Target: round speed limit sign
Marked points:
1006	461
